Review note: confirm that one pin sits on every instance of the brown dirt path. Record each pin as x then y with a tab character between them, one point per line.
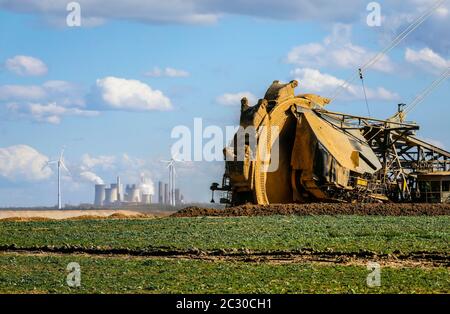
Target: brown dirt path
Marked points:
414	259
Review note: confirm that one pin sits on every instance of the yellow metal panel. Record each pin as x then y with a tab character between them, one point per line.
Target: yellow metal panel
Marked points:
339	144
361	182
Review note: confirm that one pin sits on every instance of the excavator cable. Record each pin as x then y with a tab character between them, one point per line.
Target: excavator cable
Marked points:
444	75
364	90
416	23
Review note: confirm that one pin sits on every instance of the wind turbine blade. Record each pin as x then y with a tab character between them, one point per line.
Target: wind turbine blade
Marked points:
65	168
62	153
63	165
51	162
177	160
45	165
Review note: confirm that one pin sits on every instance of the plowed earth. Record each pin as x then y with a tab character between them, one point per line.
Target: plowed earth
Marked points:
393	209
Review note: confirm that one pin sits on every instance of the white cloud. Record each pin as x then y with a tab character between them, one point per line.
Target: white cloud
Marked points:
426	59
336	50
230	99
442	12
58	86
147	11
396	14
129	161
313	81
21	163
52	100
22	92
131	169
62	92
47	102
130	95
105	162
26	66
189	11
91	177
47	113
433	33
90	169
167	72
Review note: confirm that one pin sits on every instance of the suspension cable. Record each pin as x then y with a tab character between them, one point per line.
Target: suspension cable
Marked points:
416	23
444	75
364	90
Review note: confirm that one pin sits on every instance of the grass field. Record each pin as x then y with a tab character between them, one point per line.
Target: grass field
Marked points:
35	254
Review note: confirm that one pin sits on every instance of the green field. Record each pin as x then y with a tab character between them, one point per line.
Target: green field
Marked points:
31	271
341	233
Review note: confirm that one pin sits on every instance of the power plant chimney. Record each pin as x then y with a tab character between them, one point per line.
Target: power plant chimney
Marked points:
160	192
99	194
119	189
177	197
166	193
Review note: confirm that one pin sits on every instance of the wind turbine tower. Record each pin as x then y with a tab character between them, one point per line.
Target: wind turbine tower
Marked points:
60	164
172	174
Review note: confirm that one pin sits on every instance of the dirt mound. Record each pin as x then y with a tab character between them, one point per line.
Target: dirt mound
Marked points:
38	215
113	216
320	209
24	219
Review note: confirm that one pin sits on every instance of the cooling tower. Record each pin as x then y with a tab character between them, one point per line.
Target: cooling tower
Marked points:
108	198
111	194
99	194
146	198
135	194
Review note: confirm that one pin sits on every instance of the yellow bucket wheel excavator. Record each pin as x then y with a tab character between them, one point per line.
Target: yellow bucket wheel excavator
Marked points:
290	149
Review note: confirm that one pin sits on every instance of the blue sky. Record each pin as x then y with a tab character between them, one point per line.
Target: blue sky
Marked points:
216	48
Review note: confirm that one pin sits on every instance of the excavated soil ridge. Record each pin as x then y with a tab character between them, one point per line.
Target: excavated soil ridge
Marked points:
392	209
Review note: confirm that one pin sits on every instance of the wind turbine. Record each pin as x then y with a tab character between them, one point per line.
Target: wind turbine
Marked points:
172	174
60	163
